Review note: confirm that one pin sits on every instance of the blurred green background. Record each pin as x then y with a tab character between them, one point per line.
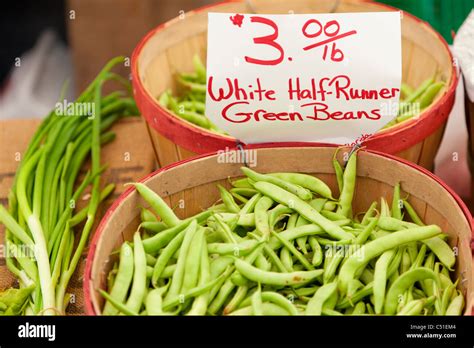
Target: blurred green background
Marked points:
443	15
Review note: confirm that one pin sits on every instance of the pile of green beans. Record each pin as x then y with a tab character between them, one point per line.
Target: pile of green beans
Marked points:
414	101
192	103
281	244
43	248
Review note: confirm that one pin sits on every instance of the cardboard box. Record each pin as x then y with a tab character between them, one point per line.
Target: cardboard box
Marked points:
129	157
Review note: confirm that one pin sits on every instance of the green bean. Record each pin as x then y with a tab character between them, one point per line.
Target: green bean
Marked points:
397	203
274	259
338	171
261	217
332	216
154	226
395	263
123	279
378	246
304	209
286	259
442	250
364	235
256	254
228	200
429	94
244	191
406	263
297	190
239	197
317	251
359	308
156	242
147	215
292	221
278	213
412	213
329	206
306	181
242	183
419	91
200	302
154	301
234	303
447	293
267	309
165	256
302	291
367	276
347	193
257	302
222	295
219	265
315	305
158	204
380	279
330	270
368	214
121	307
224	230
193	258
418	262
412	308
274	278
359	295
250	205
173	301
137	292
331	243
246	220
178	276
403	282
291	234
456	305
406	90
279	300
241	249
384	209
319	204
293	250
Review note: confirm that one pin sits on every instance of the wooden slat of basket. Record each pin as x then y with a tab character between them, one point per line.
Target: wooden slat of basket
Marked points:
430	148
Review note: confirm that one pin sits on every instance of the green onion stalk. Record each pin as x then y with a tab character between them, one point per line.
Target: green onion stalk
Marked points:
45	236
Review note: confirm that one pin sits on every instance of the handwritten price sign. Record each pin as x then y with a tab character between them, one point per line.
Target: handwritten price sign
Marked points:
316	77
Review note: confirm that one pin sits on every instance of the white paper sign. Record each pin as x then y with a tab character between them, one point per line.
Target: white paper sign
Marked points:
312	77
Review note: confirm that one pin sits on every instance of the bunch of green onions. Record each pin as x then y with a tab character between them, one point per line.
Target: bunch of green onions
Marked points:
41	216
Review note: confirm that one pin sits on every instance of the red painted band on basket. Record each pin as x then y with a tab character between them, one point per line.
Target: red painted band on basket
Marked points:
199	140
93	245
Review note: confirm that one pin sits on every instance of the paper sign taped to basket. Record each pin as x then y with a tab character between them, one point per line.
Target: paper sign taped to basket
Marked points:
312	77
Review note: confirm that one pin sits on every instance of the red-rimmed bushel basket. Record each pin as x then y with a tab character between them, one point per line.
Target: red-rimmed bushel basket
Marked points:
194	182
168	50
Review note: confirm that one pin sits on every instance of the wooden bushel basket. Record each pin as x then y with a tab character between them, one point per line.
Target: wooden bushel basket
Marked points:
193	183
168	50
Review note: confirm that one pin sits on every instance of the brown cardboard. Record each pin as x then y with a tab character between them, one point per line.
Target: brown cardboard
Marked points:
129	157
